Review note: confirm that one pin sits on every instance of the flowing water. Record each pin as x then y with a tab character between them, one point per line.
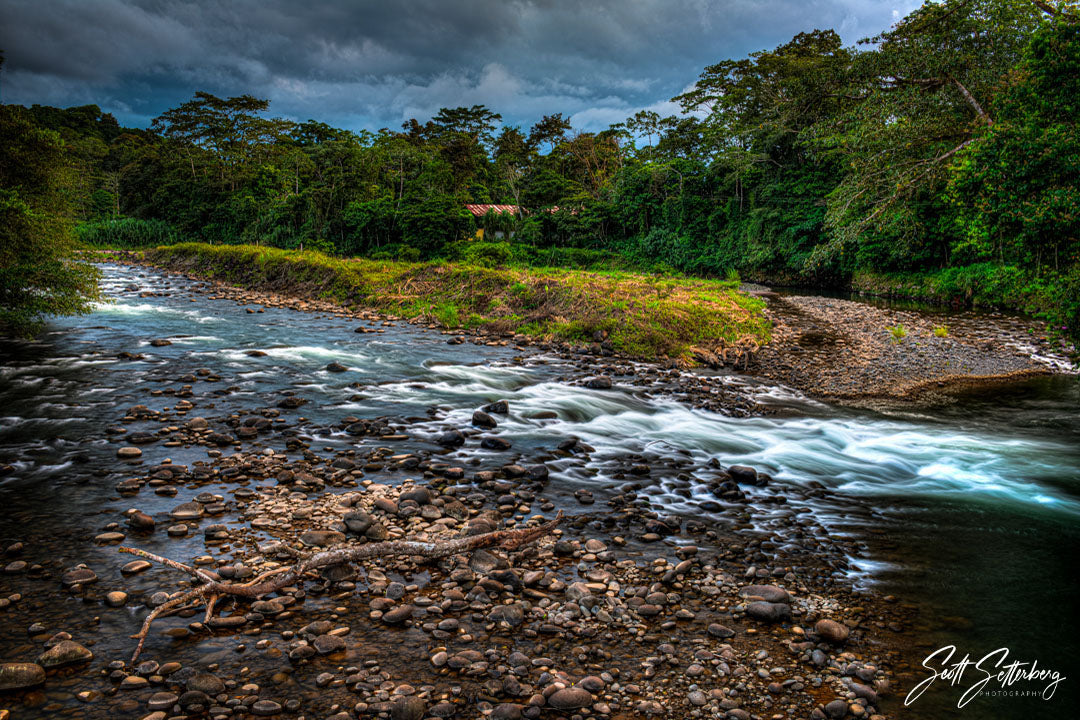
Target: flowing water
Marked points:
970	511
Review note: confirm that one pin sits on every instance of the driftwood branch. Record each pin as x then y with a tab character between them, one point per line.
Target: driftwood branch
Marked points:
213	589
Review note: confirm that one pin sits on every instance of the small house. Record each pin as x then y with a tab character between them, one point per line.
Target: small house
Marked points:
507	213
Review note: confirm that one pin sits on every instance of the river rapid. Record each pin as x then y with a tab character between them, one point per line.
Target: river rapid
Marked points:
969	511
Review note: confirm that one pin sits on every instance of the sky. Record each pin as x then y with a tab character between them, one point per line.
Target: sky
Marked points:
366	65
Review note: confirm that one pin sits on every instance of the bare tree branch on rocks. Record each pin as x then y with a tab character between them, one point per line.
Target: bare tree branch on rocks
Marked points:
213	589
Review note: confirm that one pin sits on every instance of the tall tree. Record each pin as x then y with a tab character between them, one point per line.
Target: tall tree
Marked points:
920	95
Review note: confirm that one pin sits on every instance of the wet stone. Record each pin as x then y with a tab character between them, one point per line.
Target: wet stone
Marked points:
78	576
768	593
135	566
831	631
322	538
265	708
327	644
399	614
408	708
20	675
720	631
768	612
162	701
570	698
65	652
206	683
187	511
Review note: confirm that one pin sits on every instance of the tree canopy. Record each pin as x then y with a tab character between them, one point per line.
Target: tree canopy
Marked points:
945	141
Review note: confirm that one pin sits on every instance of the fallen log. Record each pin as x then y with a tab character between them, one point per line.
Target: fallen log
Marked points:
213	589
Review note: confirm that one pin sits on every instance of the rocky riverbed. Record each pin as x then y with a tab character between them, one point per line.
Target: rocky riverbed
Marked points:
628	611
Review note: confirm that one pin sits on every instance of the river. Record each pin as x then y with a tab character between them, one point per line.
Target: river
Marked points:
970	511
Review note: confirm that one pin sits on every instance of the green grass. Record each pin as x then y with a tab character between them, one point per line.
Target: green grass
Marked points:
642	316
941	331
898	331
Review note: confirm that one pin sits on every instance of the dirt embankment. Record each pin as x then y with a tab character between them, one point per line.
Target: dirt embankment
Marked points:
843	349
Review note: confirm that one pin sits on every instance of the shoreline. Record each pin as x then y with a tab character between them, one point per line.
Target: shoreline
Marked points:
828	349
845	351
632	613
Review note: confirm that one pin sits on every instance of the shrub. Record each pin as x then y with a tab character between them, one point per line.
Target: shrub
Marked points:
488	254
899	332
941	331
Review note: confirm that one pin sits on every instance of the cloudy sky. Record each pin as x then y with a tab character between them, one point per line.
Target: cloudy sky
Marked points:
363	64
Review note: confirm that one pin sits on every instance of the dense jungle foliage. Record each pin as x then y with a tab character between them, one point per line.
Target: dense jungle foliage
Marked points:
940	158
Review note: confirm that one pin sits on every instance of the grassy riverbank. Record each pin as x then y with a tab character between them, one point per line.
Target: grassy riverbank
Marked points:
643	316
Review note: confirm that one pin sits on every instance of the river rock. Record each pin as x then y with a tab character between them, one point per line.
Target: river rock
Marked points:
768	593
499	407
512	615
601	382
496	443
20	675
451	438
399	614
129	453
78	576
743	474
162	701
357	521
265	708
720	631
187	511
322	538
836	709
408	708
768	611
135	566
570	698
482	419
65	652
420	496
206	683
327	644
832	631
336	367
139	520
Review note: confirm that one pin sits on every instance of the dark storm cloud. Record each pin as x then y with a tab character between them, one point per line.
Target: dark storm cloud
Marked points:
374	64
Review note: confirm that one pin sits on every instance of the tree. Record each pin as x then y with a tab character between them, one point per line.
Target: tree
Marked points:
39	275
551	130
1015	184
919	97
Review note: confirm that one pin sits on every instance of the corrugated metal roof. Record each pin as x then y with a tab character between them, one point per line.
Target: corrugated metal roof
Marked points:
481	210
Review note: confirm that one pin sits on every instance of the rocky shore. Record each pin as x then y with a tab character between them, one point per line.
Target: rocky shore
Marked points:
629	611
845	350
